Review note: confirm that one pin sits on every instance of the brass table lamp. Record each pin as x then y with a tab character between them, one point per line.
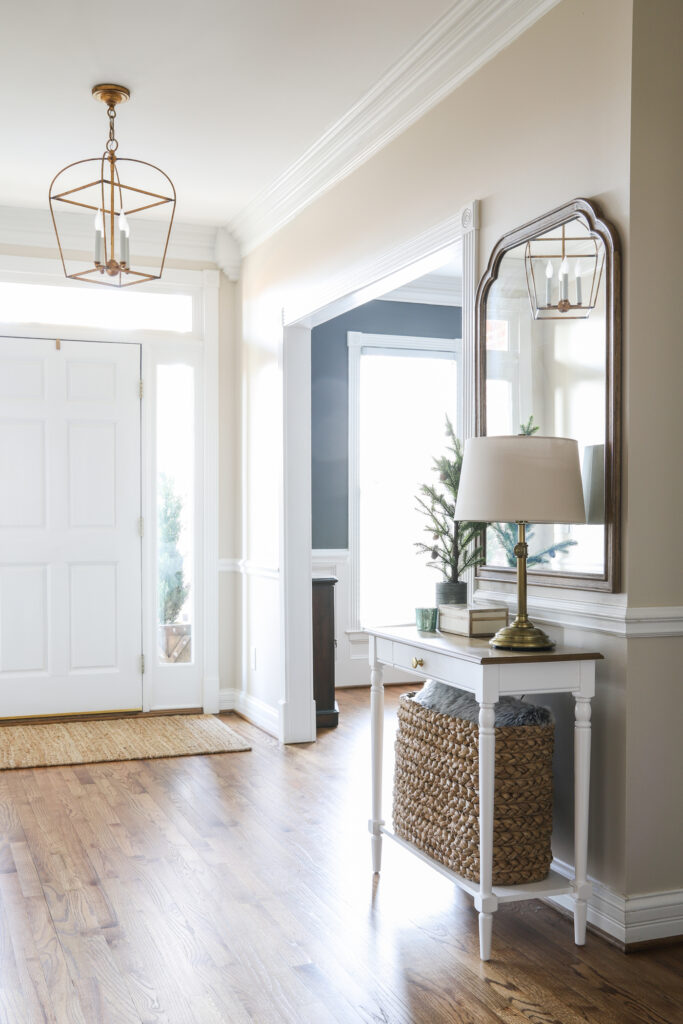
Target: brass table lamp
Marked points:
523	480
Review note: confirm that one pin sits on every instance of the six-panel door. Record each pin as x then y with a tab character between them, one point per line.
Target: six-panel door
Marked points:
70	549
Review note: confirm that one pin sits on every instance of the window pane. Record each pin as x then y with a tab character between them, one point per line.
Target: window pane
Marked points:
403	405
175	508
95	307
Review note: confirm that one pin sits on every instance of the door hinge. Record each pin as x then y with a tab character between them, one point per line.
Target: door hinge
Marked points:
141	388
142	664
141	526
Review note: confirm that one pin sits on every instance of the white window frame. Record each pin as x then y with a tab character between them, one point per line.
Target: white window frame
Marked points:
200	349
359	343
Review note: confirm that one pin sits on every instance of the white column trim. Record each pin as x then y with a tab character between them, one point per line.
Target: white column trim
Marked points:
297	706
211	682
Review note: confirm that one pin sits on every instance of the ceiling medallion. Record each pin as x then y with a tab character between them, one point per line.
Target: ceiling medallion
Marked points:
115	194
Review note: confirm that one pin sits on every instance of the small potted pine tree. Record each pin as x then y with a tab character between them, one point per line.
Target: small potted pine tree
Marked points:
454	546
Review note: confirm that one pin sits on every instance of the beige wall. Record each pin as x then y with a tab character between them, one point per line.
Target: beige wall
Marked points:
655	357
654	372
524	135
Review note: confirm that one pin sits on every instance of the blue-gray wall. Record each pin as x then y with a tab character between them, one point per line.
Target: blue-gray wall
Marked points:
330	400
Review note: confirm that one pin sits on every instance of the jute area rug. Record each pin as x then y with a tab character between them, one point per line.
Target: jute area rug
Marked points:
119	739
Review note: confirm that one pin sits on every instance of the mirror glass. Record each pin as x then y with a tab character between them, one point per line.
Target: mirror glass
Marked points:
545	336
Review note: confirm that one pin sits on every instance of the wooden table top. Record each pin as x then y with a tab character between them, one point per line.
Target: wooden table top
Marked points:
476	649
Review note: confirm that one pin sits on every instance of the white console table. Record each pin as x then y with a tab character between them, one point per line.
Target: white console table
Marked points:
488	673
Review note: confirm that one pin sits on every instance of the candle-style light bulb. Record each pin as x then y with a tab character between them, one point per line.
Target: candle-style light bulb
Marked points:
99	237
579	295
564	280
124	239
548	283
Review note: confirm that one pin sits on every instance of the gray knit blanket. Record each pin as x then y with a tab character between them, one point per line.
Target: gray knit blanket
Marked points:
448	700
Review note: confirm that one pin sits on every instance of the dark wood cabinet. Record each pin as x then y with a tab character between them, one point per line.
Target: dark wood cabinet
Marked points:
326	710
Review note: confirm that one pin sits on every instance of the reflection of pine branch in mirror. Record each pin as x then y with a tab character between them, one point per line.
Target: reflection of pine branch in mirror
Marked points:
506	534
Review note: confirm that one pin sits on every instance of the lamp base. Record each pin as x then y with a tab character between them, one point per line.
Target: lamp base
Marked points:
522	635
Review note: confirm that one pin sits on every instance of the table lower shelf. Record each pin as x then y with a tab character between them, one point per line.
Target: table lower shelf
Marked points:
554	885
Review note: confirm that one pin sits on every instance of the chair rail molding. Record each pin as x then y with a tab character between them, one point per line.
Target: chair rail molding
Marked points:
245	567
612	617
468	35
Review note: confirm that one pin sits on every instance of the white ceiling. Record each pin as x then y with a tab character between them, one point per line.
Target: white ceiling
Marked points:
226	94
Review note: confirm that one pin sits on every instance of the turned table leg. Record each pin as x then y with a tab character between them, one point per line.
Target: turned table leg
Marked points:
582	753
485	902
377	730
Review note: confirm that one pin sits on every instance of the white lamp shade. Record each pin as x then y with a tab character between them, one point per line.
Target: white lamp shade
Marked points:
521	479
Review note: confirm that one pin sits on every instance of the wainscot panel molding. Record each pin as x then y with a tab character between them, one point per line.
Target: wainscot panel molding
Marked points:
613	618
200	243
466	37
248	568
253	709
351	663
628	919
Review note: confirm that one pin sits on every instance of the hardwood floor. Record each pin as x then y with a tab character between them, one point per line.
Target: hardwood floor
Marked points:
237	887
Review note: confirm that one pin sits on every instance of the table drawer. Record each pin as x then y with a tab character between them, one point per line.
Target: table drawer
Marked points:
434	665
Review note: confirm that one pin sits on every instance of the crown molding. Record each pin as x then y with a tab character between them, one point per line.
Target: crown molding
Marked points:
457	45
27	227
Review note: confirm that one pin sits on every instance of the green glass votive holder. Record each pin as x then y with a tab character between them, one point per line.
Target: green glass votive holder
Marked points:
425	619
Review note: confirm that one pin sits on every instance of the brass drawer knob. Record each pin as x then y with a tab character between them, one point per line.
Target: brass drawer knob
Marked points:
417	662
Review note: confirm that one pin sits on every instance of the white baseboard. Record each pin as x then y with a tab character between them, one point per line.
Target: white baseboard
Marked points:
629	919
256	711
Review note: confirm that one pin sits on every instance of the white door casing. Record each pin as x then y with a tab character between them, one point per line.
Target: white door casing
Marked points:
70	549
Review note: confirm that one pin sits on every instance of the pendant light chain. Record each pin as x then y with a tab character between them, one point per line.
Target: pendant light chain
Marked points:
112	142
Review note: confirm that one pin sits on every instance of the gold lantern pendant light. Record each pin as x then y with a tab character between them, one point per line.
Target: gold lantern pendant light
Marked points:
582	254
115	198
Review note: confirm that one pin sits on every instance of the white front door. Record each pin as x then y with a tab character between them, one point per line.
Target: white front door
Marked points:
70	549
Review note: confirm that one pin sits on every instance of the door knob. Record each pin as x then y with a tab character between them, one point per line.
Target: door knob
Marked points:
417	662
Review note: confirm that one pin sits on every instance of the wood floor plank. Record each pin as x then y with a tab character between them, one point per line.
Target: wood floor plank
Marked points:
230	889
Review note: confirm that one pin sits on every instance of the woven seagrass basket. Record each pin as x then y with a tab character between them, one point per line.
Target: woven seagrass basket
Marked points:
436	793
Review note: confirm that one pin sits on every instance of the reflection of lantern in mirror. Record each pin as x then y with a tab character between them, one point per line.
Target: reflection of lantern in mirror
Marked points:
116	189
585	253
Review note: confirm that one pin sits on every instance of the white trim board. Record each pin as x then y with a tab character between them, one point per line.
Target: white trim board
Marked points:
628	919
245	567
613	619
255	711
468	35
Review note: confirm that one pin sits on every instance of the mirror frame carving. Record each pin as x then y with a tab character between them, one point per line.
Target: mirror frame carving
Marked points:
590	215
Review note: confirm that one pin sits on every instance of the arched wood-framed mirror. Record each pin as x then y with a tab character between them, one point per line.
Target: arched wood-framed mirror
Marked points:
548	337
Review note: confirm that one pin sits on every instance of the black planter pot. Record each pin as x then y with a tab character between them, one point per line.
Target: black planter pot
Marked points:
451	593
